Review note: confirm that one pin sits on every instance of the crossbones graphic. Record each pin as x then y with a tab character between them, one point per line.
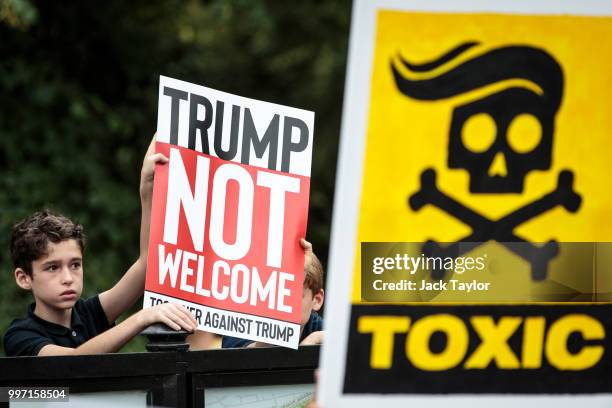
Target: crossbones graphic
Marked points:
500	230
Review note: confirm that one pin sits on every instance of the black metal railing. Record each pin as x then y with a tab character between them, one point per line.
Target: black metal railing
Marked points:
175	378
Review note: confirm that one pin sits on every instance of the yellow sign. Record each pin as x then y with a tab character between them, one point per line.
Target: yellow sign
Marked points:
471	248
490	127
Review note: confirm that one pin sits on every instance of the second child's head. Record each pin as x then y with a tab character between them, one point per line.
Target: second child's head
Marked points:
47	251
313	294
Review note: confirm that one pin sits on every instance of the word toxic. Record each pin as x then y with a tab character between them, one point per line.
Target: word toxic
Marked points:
539	342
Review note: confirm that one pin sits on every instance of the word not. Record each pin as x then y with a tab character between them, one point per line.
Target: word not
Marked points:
239	115
195	204
538	341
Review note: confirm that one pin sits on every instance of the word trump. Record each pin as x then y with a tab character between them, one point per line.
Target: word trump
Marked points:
539	341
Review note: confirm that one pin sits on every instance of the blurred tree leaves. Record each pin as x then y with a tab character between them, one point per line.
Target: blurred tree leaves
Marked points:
78	102
18	13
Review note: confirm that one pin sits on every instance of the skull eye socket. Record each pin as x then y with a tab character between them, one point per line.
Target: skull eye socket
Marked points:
478	133
524	133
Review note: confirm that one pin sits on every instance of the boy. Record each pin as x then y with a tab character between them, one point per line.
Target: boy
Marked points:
47	250
311	324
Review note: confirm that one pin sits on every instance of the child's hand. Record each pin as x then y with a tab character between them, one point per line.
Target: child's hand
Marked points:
306	246
148	169
172	315
313	338
308	254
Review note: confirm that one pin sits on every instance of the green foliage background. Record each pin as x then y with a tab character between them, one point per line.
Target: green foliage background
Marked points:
78	105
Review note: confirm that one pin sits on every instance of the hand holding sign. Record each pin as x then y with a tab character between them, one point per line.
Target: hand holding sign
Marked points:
148	169
171	314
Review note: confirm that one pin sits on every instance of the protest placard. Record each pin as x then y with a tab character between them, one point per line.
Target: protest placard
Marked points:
466	261
229	210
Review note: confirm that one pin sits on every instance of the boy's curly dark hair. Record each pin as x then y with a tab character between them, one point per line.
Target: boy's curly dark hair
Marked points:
31	236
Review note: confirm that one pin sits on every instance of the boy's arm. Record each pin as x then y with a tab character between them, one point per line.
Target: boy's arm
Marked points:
173	315
130	287
258	344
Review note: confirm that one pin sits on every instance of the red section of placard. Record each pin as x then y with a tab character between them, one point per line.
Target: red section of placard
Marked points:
294	221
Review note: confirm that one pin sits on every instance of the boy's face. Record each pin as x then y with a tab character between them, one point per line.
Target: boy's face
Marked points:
310	302
57	278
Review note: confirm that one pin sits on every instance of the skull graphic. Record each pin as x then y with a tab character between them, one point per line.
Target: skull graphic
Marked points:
498	139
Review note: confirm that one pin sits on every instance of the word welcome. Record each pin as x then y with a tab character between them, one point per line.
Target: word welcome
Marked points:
240	283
